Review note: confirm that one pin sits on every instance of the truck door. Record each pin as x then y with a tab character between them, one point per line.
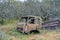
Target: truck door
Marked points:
31	24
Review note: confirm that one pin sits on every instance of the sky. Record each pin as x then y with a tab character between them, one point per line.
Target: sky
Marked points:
17	0
23	0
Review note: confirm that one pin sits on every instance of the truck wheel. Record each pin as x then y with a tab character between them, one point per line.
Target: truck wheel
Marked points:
26	33
37	30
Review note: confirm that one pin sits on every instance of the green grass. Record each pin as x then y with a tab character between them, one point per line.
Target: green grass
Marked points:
9	21
18	35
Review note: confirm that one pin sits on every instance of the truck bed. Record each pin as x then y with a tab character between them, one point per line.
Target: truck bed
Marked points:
51	24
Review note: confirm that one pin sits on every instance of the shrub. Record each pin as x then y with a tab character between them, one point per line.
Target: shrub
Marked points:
2	36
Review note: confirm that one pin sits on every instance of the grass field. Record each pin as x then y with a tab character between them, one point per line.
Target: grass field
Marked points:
12	34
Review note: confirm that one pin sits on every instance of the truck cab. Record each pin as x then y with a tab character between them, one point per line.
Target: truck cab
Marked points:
29	23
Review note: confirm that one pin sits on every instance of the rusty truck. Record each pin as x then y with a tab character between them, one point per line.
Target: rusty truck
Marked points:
30	23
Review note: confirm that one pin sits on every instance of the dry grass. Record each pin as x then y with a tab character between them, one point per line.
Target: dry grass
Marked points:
12	34
47	36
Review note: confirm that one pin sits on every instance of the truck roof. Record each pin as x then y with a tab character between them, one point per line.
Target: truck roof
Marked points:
32	16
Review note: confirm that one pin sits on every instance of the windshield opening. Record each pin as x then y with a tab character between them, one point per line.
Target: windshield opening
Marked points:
32	21
23	19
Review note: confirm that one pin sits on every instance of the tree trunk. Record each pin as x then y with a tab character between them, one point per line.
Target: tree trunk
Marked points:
2	20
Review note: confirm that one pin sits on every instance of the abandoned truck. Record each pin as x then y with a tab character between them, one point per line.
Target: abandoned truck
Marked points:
29	23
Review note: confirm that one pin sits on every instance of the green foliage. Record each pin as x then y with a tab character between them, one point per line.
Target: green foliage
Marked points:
0	22
44	31
17	34
14	32
14	9
10	21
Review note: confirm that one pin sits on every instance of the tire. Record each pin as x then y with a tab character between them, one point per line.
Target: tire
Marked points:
37	30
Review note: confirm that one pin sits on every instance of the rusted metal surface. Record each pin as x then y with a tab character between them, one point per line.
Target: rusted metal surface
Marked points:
29	24
51	24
